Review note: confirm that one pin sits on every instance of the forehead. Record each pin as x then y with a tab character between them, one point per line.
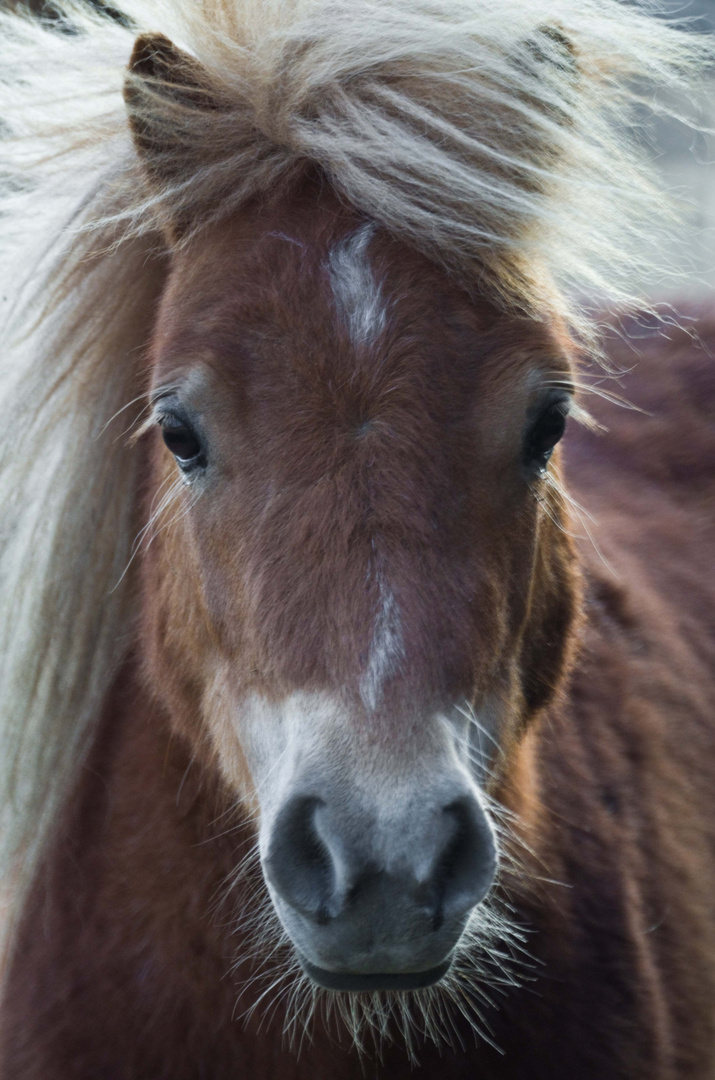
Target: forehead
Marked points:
310	286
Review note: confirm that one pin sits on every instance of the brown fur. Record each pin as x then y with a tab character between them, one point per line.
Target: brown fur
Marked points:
124	961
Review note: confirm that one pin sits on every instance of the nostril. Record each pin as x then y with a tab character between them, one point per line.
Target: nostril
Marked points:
465	869
298	863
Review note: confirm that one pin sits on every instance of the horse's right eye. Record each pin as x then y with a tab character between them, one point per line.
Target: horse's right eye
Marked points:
182	440
544	434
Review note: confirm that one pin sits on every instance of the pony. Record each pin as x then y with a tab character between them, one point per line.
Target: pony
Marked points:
331	743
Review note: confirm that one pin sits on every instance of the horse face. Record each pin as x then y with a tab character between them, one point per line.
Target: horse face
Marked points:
358	590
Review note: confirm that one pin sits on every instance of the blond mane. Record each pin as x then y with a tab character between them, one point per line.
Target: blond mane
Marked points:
492	137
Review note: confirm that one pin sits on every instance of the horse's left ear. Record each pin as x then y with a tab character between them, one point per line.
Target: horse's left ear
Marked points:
169	105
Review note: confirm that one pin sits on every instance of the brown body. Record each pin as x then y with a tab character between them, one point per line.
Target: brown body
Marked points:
122	966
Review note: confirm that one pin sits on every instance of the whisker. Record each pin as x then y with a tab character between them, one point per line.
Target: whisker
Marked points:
583	518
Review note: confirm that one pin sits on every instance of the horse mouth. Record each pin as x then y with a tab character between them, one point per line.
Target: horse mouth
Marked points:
345	980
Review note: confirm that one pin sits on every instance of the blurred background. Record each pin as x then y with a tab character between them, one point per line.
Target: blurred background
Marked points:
687	164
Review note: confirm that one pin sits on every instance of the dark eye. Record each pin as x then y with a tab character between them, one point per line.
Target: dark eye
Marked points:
544	433
182	440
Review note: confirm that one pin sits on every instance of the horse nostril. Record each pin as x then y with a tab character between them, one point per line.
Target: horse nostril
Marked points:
465	870
298	864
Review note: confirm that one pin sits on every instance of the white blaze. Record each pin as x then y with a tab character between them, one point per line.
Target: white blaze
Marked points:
386	649
357	295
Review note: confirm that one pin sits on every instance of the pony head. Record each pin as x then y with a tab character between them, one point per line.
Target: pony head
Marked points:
365	594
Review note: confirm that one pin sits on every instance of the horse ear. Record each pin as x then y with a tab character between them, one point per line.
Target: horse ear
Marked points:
550	58
550	45
168	101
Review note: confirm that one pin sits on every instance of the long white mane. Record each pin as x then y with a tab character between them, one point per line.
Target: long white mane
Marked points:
491	135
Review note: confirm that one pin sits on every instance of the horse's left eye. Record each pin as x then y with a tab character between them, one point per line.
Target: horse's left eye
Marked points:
544	434
182	440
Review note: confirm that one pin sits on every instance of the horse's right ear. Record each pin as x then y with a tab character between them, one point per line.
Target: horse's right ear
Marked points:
169	104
